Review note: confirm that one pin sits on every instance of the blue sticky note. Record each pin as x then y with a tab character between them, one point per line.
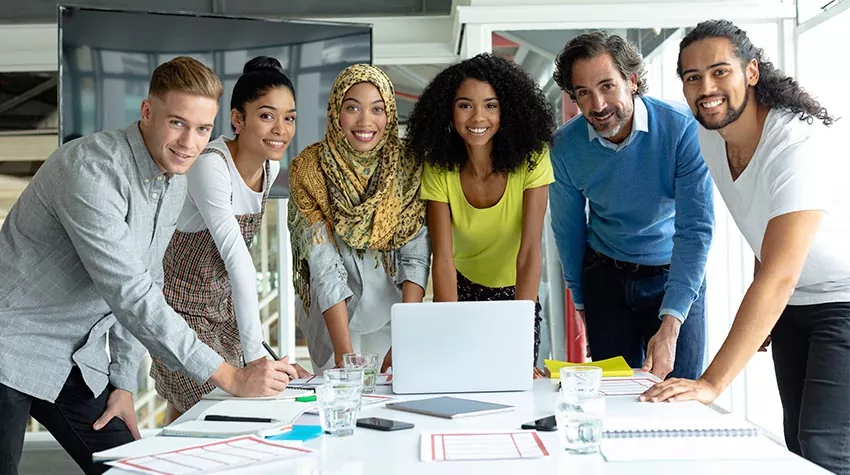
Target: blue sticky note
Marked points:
298	433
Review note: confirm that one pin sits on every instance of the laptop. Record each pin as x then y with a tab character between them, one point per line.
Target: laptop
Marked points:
459	347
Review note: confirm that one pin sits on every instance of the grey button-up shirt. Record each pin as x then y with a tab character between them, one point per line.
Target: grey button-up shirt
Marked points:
81	261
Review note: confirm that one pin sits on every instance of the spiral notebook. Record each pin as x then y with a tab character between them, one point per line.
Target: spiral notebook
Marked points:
724	437
642	427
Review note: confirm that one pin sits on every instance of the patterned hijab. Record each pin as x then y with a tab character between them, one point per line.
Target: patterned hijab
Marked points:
370	199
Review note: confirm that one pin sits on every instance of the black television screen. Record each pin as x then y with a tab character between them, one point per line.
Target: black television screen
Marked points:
106	58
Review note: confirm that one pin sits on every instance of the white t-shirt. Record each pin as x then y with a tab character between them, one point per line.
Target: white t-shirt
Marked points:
211	182
797	166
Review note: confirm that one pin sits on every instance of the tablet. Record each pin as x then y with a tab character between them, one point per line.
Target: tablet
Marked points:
449	407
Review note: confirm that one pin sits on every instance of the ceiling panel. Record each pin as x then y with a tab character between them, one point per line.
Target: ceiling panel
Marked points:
41	11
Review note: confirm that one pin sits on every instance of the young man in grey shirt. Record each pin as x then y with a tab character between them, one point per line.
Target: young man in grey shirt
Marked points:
82	265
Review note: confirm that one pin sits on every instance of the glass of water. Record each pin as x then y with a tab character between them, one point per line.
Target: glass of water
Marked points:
579	409
349	376
339	405
579	421
368	362
581	379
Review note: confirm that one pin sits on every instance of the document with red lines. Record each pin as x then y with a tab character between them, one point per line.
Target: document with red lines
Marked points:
215	456
443	446
626	386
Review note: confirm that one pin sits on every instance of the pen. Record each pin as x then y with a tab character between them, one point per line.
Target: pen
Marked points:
218	418
271	351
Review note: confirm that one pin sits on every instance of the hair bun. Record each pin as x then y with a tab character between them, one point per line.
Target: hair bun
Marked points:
262	63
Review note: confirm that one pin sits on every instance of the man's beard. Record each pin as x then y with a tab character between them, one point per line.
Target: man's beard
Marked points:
621	119
732	114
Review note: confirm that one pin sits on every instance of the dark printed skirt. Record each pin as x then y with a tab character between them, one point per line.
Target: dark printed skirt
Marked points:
469	291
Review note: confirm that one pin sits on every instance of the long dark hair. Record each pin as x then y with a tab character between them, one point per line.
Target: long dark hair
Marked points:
774	89
527	120
259	76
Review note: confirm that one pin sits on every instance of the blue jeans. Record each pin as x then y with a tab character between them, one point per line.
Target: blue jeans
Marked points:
621	305
811	358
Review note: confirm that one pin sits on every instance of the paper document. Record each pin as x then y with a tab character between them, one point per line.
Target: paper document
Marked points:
212	457
616	366
448	446
147	446
219	394
626	386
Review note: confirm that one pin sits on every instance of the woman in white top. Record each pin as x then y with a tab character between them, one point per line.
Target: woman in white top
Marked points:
782	173
209	276
359	244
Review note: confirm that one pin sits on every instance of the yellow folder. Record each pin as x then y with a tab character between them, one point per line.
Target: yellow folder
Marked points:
616	366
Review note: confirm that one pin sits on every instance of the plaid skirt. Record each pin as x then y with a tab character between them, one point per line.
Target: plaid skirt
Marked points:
196	285
469	291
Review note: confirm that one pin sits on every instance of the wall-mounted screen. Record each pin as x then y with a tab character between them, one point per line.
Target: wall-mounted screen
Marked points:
106	58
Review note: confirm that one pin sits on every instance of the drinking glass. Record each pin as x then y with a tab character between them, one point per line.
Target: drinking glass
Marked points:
339	405
349	376
368	362
579	419
579	409
581	379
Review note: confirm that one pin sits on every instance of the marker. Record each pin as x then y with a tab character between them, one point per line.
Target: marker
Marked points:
219	418
306	398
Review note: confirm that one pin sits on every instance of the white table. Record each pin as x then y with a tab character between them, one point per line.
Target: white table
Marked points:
392	453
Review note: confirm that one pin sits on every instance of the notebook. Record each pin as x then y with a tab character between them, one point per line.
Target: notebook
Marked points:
219	394
449	407
611	367
280	413
630	439
642	427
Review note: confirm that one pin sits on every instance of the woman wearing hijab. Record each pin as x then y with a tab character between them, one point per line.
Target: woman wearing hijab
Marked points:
358	238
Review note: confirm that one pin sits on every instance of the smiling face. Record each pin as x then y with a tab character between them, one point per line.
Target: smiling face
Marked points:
476	112
363	118
604	96
268	125
176	126
715	83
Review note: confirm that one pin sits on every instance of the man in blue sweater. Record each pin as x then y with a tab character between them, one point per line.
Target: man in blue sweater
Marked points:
636	265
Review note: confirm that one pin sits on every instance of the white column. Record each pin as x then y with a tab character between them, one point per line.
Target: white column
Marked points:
477	39
286	321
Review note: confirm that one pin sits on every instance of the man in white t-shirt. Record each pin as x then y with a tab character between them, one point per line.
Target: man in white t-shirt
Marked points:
779	168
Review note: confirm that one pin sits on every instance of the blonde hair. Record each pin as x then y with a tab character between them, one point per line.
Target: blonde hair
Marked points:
186	75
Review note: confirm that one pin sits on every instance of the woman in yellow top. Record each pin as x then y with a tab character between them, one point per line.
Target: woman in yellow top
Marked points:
482	128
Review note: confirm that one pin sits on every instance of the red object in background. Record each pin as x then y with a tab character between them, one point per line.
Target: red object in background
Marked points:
575	337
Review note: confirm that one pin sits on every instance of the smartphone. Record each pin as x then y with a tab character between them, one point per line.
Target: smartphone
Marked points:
546	424
383	424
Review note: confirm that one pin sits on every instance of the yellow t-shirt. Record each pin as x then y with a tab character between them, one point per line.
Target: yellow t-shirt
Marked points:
486	241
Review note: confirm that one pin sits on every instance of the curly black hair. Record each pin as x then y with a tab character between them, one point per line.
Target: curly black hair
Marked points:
590	45
774	89
526	122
